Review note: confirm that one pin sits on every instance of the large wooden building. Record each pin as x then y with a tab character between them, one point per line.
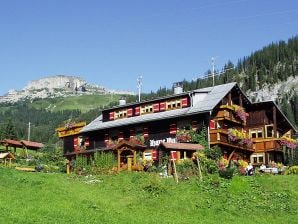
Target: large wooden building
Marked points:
256	132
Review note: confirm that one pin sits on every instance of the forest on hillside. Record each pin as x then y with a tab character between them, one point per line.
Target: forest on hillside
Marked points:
270	65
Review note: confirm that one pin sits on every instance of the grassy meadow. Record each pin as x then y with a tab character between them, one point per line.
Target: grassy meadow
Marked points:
145	198
81	102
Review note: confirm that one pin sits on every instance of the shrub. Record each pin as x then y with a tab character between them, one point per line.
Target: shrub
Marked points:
103	162
213	153
185	168
227	173
292	170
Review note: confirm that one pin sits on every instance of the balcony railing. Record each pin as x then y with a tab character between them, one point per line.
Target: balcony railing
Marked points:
220	136
230	113
263	145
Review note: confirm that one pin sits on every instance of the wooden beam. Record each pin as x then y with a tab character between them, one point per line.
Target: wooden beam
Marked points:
240	100
118	152
230	99
274	122
134	157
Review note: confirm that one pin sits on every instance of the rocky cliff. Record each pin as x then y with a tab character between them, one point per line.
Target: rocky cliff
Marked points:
57	86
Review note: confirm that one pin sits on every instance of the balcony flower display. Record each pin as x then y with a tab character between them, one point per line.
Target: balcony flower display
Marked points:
138	140
110	143
183	135
239	113
239	137
289	142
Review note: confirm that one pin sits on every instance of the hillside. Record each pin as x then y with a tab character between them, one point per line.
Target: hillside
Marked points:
45	115
145	198
267	74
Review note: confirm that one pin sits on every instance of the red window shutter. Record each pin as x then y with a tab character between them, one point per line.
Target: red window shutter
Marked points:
184	102
194	125
154	155
212	124
75	142
87	142
137	111
145	133
173	155
131	133
156	107
129	112
106	138
162	106
173	129
120	136
111	116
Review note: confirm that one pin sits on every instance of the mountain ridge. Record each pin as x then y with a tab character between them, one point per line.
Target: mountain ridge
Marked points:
57	86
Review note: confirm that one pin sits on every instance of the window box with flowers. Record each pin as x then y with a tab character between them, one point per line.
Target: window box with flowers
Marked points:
240	137
240	113
138	140
184	135
236	110
111	143
289	142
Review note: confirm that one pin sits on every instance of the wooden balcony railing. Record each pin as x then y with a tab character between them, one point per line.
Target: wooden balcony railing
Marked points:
261	145
228	113
220	137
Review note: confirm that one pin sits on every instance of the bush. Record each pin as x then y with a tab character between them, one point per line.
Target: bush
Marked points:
185	168
292	170
213	153
103	162
227	173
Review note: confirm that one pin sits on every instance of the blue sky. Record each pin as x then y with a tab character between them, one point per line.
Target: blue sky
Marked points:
112	42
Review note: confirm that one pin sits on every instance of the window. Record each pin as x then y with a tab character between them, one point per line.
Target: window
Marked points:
257	158
269	131
147	109
256	133
120	114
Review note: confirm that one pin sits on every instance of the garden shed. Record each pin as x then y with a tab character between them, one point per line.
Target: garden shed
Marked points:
7	157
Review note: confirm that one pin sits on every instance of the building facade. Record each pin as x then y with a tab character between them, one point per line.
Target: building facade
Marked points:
256	132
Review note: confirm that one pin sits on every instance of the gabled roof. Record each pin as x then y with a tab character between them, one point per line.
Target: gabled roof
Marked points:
32	145
272	103
213	96
97	124
11	142
7	155
22	143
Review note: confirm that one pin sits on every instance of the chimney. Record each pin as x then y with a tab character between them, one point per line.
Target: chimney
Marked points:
122	102
178	87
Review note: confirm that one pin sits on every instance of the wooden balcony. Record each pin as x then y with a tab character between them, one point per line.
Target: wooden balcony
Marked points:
269	144
220	137
227	113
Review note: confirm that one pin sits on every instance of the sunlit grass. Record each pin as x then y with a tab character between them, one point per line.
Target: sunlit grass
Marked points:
145	198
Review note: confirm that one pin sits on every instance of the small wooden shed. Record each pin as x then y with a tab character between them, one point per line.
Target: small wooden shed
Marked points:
7	157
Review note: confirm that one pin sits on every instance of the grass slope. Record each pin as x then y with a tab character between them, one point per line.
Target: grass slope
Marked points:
80	102
144	198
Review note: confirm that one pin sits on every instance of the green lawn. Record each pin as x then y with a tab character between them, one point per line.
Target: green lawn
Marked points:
145	198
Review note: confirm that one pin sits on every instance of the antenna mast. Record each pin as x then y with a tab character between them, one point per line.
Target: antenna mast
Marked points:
213	69
29	130
139	86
